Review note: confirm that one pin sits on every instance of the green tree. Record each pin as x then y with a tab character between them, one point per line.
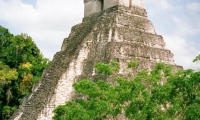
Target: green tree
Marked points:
197	58
21	65
107	69
158	94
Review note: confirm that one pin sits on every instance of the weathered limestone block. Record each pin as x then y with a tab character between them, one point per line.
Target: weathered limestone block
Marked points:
119	33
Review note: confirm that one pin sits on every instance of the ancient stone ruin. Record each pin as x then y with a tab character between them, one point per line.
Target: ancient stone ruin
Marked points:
117	30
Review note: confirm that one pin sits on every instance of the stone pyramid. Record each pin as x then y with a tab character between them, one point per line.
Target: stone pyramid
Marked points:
117	30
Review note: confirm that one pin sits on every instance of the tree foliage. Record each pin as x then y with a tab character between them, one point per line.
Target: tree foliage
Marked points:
107	69
21	65
159	94
197	58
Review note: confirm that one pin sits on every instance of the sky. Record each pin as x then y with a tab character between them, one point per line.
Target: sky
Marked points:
48	22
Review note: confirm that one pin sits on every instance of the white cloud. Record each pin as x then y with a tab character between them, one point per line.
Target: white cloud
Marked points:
194	7
165	5
182	50
48	22
186	26
161	4
19	16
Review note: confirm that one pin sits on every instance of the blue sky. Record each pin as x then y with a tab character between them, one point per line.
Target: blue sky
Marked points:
48	22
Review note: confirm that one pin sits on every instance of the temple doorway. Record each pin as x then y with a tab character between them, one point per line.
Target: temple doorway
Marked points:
102	4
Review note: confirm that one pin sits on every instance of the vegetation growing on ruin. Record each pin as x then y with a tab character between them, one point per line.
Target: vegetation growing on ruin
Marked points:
157	94
21	65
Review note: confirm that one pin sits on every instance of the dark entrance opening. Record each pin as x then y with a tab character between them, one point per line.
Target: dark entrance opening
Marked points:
102	4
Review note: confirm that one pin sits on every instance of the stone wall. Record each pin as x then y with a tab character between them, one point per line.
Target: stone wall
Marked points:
92	6
111	3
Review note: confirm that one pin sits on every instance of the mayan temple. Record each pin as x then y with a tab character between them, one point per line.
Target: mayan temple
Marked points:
117	30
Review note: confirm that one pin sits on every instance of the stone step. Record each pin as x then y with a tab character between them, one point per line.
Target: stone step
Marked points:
133	35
